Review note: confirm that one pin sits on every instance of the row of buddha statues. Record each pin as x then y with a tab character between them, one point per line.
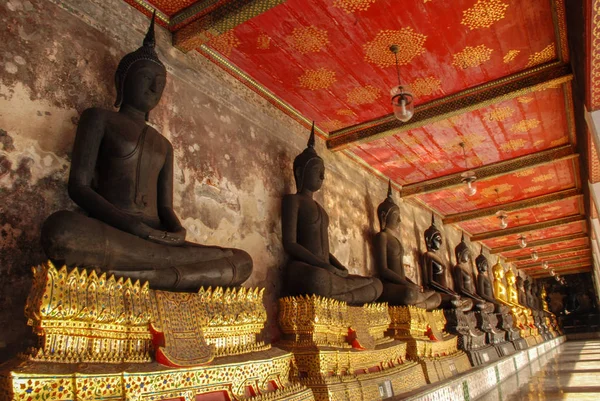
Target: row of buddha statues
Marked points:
121	176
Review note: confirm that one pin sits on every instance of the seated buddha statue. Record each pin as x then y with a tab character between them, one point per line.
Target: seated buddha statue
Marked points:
532	301
312	269
122	177
435	275
512	293
463	280
522	294
500	289
484	286
389	254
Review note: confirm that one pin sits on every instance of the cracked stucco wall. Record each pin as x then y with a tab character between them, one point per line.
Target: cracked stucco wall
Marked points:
233	150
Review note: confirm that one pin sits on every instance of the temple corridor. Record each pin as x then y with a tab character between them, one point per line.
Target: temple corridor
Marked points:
569	372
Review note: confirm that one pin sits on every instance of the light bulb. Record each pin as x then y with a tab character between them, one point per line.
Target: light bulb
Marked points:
552	272
534	256
402	103
471	188
557	278
545	265
522	242
503	222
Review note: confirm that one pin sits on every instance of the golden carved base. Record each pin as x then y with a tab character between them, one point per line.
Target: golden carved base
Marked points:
261	376
427	341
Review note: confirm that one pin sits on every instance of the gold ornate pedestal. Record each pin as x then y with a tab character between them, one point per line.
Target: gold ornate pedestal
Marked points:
102	338
427	342
342	353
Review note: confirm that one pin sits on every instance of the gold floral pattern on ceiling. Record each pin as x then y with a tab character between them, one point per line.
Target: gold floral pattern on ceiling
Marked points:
344	112
410	45
472	56
534	188
524	99
351	6
363	95
425	86
490	191
545	55
263	42
525	125
320	78
225	43
513	145
538	142
524	173
543	178
499	113
332	125
309	39
559	141
510	56
503	199
484	14
470	141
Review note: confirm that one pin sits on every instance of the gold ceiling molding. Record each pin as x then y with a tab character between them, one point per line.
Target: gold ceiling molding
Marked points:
309	39
527	228
320	78
513	145
545	55
513	86
425	86
484	14
225	43
538	243
363	95
510	56
525	125
351	6
499	113
378	51
263	42
594	58
472	56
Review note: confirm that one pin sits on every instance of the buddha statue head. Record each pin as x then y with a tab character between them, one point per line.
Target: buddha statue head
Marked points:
520	283
462	251
510	277
140	77
498	271
388	212
309	170
433	236
482	263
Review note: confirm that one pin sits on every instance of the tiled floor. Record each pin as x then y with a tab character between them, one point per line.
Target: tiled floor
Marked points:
568	372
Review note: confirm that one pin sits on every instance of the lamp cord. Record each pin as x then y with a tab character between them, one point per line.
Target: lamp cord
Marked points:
397	69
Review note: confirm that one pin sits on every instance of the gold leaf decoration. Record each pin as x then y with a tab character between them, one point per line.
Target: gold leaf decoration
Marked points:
543	178
378	51
484	14
309	39
320	78
525	99
503	199
510	56
351	6
490	191
332	125
532	189
538	142
263	42
225	43
425	86
525	125
547	54
513	145
525	173
560	141
363	95
472	56
499	113
344	112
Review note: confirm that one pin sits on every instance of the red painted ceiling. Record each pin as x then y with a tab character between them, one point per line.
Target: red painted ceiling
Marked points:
552	232
526	264
547	248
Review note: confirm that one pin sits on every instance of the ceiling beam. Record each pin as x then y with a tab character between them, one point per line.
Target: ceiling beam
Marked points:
538	263
542	255
534	244
509	87
220	19
513	206
537	159
527	228
574	269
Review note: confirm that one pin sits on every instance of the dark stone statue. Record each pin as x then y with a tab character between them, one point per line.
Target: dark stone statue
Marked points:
532	300
463	279
122	176
521	292
485	289
312	269
435	275
389	253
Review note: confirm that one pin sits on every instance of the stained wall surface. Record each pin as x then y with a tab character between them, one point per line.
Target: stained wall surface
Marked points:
233	151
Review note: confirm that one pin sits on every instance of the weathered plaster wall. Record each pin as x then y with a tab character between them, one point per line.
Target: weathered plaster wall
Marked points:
234	151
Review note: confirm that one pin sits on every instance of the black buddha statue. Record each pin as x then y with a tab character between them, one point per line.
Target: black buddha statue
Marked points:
463	279
122	176
522	294
435	275
389	253
312	269
485	289
532	300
